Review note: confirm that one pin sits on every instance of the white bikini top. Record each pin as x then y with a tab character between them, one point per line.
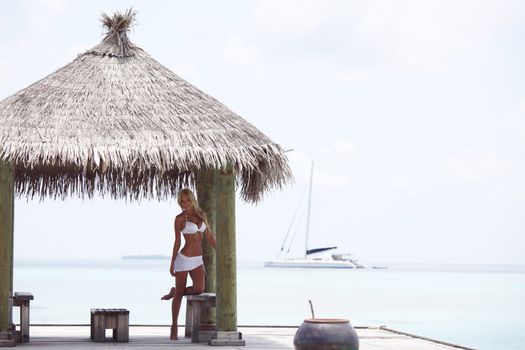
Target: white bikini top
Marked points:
191	228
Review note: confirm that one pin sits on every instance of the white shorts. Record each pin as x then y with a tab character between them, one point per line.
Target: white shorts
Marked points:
186	263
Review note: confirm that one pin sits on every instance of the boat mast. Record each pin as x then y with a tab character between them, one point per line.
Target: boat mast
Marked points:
308	213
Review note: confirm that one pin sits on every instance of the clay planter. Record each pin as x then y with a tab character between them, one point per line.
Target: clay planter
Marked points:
326	334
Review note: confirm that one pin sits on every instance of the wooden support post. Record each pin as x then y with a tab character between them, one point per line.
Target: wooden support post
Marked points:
195	306
189	314
22	300
195	322
122	330
7	204
206	196
115	319
227	333
226	252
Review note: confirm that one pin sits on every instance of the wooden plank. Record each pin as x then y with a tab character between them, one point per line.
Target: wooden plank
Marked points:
122	327
77	337
7	208
24	320
203	297
110	320
23	296
99	327
189	311
195	322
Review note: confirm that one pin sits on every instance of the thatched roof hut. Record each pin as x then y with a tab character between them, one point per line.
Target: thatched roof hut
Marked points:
118	122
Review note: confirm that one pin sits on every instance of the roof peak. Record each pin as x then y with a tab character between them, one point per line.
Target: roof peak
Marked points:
116	42
118	22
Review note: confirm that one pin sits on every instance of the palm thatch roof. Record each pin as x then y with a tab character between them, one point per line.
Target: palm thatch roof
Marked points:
118	122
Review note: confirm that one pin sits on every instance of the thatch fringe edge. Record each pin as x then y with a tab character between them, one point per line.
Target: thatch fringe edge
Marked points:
156	176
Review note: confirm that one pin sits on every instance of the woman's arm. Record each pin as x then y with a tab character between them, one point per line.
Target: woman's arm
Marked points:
209	236
207	233
176	244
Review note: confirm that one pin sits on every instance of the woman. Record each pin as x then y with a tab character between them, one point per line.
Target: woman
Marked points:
191	223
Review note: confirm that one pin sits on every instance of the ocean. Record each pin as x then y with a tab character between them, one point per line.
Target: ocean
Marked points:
471	305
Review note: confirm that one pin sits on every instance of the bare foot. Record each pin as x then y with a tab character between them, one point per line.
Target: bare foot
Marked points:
173	333
170	295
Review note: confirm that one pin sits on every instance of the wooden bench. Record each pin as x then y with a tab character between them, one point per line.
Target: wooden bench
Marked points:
194	306
115	319
22	299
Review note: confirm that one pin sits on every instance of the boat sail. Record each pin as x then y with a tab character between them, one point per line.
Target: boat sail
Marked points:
312	258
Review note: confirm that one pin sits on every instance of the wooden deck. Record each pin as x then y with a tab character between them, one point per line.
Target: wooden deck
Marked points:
156	337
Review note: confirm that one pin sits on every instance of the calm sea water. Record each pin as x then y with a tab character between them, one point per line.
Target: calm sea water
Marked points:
476	306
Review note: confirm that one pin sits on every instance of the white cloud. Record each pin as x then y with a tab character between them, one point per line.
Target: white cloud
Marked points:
476	165
523	128
300	164
428	33
335	164
43	13
333	181
34	34
3	74
239	50
293	16
74	49
337	150
184	70
332	165
351	76
424	34
522	118
403	181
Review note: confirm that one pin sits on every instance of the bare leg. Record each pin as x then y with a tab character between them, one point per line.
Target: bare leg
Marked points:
170	295
197	277
180	286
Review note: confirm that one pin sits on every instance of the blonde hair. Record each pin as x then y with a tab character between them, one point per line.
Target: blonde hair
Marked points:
198	211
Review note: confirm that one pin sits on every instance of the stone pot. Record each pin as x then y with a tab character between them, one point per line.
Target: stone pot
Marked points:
326	334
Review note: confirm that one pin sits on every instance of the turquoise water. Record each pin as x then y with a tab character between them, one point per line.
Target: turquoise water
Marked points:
476	306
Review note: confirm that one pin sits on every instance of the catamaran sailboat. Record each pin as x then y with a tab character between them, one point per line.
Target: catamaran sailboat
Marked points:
313	257
334	261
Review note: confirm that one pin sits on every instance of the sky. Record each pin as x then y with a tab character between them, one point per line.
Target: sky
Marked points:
413	113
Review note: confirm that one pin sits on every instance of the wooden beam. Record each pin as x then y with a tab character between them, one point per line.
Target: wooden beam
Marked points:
7	204
226	254
206	196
